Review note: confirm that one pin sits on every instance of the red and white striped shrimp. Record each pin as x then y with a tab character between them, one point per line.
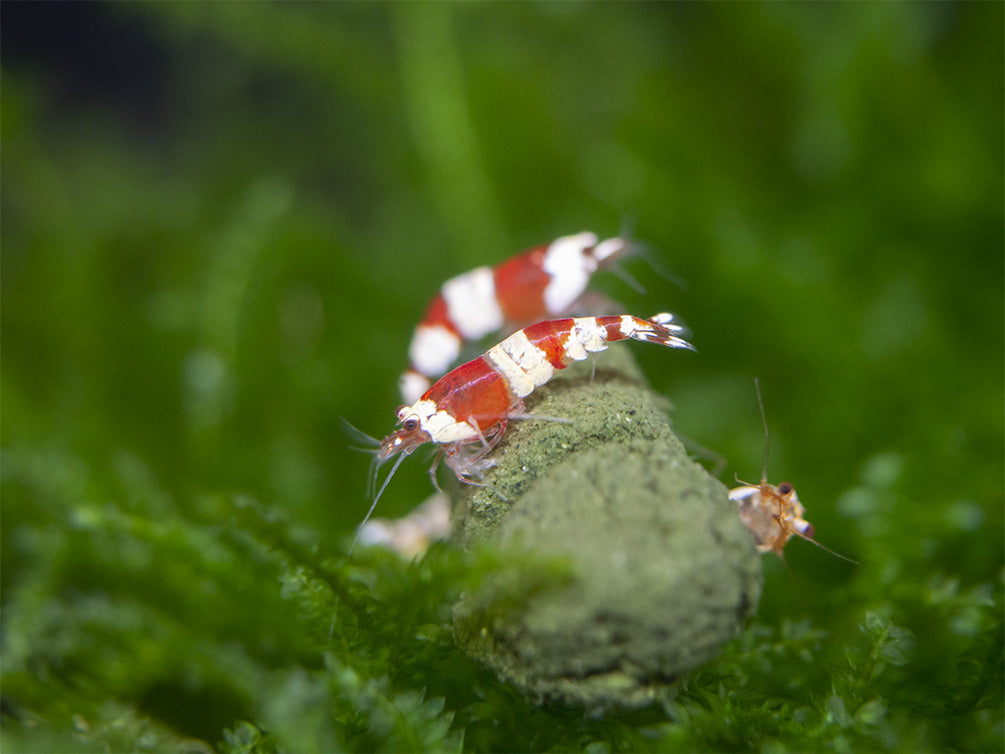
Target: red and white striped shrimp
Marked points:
544	281
467	410
473	403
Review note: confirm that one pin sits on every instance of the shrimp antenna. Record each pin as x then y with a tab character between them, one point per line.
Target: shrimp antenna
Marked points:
371	476
657	265
369	451
626	277
764	475
361	436
767	435
629	222
825	548
358	435
359	529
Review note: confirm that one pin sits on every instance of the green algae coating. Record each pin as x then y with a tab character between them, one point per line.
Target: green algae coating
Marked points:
654	570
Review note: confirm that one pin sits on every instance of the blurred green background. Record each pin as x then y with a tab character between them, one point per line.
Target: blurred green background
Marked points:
222	220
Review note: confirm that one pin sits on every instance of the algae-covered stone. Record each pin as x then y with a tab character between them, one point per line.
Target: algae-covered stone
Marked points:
654	570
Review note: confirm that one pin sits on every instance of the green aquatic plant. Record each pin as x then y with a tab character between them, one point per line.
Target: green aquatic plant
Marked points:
220	222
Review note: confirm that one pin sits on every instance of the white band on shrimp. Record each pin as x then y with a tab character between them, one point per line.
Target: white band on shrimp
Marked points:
472	304
570	267
433	349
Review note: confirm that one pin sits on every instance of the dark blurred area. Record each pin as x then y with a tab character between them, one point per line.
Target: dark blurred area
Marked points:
87	55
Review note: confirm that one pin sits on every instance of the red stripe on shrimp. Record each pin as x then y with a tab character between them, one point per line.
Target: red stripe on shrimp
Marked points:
520	285
437	315
474	391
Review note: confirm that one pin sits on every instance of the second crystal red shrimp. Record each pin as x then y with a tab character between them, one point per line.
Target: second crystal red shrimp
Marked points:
540	283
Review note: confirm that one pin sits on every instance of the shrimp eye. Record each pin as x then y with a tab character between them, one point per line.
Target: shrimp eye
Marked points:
784	488
411	425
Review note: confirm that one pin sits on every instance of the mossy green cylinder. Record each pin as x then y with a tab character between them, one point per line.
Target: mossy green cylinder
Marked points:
653	569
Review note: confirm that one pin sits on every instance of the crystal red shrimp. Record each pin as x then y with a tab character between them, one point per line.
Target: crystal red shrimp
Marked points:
468	408
542	282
